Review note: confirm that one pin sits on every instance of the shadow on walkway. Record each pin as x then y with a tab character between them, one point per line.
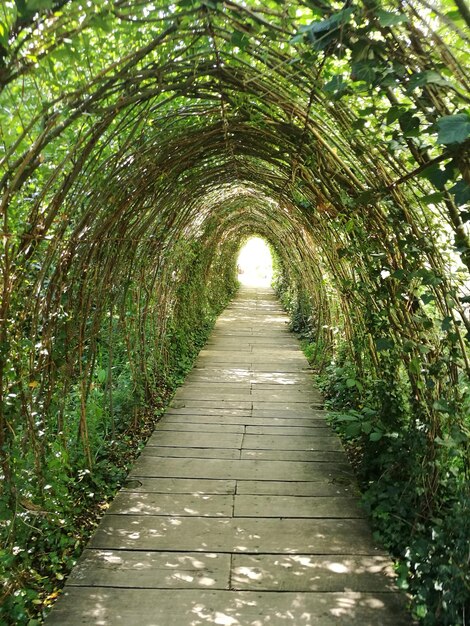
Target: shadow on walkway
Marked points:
242	510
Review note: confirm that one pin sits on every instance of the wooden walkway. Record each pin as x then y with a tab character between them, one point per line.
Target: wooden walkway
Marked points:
241	510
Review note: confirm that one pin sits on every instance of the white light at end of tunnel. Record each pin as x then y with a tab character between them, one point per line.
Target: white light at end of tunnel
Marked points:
255	264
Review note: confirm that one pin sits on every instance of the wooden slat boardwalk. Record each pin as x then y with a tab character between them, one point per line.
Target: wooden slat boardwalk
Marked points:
242	509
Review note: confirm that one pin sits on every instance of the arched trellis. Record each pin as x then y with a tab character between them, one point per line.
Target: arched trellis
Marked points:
338	133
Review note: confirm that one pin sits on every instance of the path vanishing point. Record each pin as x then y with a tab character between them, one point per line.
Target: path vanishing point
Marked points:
242	509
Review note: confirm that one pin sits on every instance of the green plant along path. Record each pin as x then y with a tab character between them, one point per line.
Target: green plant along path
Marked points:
141	142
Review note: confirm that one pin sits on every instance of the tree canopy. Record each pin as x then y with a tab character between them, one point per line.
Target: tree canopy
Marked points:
142	141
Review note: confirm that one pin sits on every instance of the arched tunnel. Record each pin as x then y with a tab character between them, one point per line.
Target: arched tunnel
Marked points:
143	142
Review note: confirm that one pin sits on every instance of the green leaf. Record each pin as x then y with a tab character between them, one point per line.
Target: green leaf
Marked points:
429	77
428	277
353	430
359	124
438	177
432	198
364	70
387	19
346	418
376	435
409	124
366	197
453	128
350	382
324	32
297	38
336	85
102	23
446	323
38	5
461	192
442	406
394	113
383	343
4	34
21	7
427	298
240	39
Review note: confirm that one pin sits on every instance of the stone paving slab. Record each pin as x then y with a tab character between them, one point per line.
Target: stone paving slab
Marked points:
242	509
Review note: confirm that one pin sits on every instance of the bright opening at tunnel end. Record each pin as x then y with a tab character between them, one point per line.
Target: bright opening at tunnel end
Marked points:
255	263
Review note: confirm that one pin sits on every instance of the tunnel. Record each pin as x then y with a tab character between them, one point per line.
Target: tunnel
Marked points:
143	144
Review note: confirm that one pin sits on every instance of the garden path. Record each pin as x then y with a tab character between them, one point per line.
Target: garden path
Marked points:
242	509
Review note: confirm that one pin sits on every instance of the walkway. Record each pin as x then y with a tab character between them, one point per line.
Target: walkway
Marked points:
241	510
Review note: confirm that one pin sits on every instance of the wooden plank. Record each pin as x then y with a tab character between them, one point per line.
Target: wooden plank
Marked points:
193	453
297	506
245	421
329	456
179	485
101	606
197	505
294	442
309	430
212	404
247	535
287	413
241	470
304	572
151	570
296	488
208	411
213	435
192	430
225	396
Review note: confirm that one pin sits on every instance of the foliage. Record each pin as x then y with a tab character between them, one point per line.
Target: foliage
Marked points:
59	501
418	503
141	142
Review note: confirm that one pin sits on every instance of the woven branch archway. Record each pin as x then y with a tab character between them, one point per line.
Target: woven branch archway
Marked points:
144	140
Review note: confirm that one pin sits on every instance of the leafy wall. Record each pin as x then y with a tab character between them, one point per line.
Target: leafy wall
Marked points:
142	141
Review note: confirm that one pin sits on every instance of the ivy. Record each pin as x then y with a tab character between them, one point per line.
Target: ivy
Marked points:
141	143
453	129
